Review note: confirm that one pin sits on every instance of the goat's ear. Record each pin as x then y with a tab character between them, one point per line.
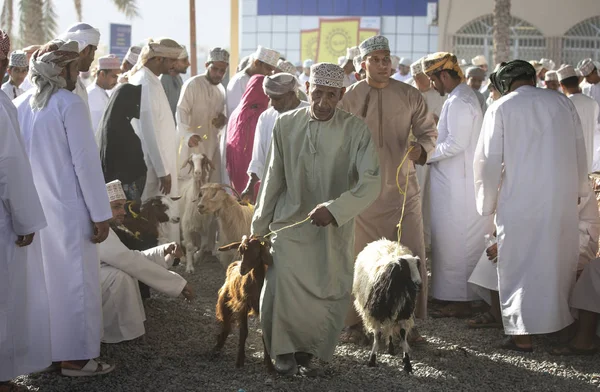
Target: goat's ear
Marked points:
265	254
234	245
187	162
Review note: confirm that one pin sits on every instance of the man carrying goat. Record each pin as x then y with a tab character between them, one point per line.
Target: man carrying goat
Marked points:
322	165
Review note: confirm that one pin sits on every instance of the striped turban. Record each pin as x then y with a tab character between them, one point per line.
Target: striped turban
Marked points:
280	84
162	47
508	72
441	61
47	63
4	45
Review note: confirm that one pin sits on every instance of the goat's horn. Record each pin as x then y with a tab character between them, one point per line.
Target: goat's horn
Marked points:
234	191
234	245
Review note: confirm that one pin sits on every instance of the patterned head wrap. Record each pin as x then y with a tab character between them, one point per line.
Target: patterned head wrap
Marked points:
286	66
508	72
327	74
4	45
162	47
83	33
279	84
416	68
441	61
47	64
115	191
373	44
18	59
548	64
218	54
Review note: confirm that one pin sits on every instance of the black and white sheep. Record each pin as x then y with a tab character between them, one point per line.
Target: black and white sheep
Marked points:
386	284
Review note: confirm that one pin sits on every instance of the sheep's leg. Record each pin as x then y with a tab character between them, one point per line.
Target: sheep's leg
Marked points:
373	357
225	325
405	349
243	335
391	348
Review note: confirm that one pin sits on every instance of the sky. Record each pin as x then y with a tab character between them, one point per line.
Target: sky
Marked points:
168	18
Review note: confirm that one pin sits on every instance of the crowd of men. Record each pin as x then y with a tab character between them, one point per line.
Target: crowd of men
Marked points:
490	171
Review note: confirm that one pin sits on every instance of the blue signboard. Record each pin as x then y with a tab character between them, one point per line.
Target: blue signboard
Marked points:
344	7
120	39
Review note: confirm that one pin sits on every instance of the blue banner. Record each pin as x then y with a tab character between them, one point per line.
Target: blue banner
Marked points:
344	7
120	39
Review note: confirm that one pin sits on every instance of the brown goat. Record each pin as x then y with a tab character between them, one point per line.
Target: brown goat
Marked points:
240	295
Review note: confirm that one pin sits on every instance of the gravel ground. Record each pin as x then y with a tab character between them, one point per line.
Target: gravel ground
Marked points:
174	356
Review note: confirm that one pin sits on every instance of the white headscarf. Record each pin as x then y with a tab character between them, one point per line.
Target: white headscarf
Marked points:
84	34
46	66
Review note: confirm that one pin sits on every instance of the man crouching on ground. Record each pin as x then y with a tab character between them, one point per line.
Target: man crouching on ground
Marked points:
323	165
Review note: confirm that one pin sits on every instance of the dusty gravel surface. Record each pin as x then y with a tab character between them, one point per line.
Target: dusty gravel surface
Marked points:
174	356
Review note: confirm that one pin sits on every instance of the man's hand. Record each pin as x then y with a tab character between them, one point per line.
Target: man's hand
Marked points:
194	141
492	252
101	230
321	216
220	121
188	293
165	184
24	240
176	250
415	154
248	194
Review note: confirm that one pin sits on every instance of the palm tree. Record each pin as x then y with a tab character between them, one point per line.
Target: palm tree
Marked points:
501	33
37	23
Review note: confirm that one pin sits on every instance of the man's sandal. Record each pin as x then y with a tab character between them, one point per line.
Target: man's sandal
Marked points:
91	368
484	320
509	344
568	350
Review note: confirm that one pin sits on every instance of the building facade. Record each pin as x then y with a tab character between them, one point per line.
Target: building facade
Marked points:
290	26
564	31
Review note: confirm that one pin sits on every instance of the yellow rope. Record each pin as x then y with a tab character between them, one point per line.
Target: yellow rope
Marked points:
287	227
401	191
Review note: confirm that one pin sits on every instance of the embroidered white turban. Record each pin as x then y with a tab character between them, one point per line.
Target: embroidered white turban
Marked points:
115	191
587	67
327	74
478	61
416	67
373	44
18	58
4	45
218	54
551	76
267	56
286	66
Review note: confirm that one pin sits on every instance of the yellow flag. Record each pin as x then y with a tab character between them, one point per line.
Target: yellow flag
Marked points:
309	39
335	37
363	34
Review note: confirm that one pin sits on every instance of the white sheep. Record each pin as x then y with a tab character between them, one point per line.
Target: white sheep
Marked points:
196	227
386	284
233	218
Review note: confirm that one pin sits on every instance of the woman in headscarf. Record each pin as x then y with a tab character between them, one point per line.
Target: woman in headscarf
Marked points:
121	150
241	129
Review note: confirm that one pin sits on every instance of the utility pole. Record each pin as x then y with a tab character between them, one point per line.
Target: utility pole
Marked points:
193	50
235	37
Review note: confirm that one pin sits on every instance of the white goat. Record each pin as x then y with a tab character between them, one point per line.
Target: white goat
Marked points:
386	283
196	227
233	218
